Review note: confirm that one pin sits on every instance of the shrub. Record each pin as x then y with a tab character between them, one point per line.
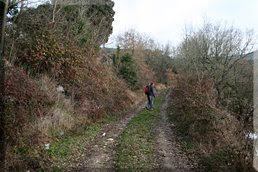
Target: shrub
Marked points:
46	55
25	103
101	93
128	70
217	135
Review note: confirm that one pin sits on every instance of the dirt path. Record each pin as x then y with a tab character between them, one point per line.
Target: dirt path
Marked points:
100	153
170	156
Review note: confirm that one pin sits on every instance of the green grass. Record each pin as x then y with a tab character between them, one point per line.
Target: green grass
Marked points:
136	145
65	147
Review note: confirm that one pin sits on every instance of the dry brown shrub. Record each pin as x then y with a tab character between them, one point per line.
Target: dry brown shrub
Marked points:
160	87
102	93
171	77
145	72
25	103
216	130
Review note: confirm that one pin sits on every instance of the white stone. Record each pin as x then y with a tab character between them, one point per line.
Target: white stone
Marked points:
60	89
47	146
252	136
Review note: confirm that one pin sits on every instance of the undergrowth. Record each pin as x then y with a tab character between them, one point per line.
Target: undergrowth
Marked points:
37	114
210	135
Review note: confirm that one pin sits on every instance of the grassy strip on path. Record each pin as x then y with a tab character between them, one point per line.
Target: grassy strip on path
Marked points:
64	148
136	145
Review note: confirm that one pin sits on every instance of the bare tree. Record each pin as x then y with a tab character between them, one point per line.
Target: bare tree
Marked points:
214	50
133	40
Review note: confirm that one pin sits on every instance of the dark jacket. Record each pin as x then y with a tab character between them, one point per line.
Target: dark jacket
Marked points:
151	90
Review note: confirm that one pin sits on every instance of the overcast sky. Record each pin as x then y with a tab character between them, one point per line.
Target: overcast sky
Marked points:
164	20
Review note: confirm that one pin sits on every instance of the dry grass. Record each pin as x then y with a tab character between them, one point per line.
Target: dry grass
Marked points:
160	87
60	117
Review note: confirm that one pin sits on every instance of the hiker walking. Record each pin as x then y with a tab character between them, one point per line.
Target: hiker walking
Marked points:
149	91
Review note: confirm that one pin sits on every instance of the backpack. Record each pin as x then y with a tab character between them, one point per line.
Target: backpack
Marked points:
146	90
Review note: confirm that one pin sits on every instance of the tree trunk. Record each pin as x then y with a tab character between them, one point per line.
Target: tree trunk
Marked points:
3	10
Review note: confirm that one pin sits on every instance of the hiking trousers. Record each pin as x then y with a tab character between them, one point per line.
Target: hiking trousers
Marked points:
150	101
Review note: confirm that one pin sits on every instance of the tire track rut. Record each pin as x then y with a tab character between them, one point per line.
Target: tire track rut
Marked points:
99	155
170	156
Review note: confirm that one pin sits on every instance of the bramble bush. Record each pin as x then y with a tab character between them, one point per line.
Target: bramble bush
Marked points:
209	131
46	55
24	103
